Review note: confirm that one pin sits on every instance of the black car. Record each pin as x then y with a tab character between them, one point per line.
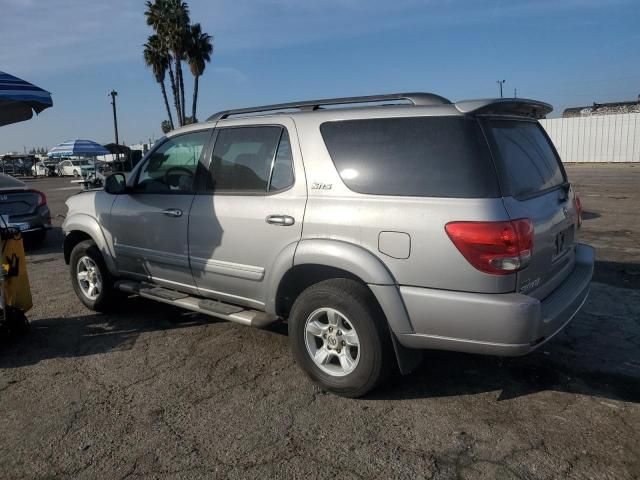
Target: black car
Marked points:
23	208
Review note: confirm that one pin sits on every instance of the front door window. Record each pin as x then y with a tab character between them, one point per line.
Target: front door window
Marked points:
172	167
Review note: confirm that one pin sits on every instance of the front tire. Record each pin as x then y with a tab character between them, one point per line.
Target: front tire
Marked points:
340	338
90	277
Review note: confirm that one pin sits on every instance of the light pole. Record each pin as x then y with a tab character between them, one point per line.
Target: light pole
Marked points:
115	119
500	83
114	94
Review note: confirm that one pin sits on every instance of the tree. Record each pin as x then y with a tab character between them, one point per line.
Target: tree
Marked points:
177	29
170	20
199	50
165	126
157	57
180	42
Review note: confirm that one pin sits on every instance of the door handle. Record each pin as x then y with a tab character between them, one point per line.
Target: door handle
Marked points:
282	220
172	212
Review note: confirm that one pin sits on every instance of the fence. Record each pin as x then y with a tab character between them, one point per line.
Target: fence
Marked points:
598	138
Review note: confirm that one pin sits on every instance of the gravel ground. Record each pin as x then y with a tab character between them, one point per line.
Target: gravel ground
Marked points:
152	392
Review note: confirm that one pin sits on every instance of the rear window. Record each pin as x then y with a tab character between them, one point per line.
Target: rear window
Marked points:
417	156
526	161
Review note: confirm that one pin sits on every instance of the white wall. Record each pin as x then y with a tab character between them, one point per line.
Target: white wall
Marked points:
599	138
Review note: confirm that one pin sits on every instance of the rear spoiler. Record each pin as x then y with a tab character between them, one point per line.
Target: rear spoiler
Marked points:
505	106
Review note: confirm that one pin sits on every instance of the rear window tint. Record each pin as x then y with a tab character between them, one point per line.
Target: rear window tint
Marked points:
525	158
417	156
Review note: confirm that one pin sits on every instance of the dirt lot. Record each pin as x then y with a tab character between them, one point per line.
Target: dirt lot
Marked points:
153	393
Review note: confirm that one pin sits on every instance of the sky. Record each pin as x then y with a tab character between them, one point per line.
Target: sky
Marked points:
565	52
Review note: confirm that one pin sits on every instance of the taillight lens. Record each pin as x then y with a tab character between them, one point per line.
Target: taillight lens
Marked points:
499	248
577	203
42	199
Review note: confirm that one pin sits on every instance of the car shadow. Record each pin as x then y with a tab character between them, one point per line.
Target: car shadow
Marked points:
51	244
618	274
69	337
586	215
579	361
444	374
597	354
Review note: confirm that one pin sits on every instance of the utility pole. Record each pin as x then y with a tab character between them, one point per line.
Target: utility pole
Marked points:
115	119
515	93
113	94
500	83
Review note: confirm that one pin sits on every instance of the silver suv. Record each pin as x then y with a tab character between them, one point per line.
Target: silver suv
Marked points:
375	226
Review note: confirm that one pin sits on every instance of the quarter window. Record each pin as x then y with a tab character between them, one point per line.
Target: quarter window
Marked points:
282	176
527	162
172	167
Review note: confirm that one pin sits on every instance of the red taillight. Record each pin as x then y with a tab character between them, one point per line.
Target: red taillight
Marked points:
498	248
577	203
42	199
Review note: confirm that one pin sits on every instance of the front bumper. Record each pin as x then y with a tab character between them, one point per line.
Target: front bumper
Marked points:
495	324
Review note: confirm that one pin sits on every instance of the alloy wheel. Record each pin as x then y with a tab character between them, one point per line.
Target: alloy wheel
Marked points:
332	342
89	277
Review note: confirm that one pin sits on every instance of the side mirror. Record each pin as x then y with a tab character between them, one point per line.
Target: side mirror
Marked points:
115	184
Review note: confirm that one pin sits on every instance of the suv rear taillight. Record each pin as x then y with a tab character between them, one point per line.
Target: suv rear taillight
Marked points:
499	248
577	203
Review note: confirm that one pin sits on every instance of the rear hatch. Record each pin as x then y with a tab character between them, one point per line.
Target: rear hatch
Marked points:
535	186
18	202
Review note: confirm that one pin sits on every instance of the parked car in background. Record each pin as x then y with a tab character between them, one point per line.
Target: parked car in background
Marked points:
24	208
374	231
45	169
40	169
8	167
52	168
75	168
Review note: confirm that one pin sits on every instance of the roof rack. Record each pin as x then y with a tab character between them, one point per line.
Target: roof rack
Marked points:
310	105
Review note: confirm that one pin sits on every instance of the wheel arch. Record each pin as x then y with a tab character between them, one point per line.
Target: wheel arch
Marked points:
315	260
84	227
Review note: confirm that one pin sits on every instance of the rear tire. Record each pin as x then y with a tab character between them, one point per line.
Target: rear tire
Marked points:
76	174
326	322
91	279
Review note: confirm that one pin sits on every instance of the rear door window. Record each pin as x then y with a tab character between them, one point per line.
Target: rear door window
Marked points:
251	160
526	160
415	156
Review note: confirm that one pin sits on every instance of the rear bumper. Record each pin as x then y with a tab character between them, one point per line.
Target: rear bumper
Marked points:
40	220
495	324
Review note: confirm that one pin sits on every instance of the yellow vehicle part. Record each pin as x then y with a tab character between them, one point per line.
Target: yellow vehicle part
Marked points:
17	292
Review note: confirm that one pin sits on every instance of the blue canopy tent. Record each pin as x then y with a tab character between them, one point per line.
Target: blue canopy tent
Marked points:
77	148
19	99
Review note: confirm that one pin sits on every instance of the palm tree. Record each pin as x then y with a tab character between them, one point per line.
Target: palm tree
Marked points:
177	28
170	20
198	54
157	18
156	57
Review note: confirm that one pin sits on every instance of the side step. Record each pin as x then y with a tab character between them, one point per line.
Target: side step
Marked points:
226	311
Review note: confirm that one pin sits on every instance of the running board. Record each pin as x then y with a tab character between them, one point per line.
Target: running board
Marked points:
213	308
